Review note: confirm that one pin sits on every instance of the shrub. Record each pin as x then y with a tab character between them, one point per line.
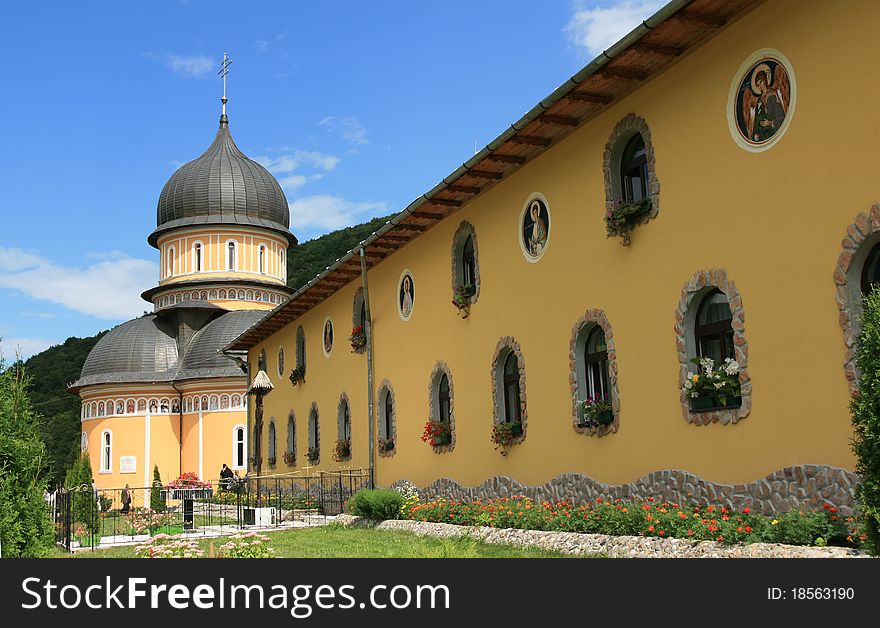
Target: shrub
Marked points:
866	421
376	504
245	545
85	502
646	518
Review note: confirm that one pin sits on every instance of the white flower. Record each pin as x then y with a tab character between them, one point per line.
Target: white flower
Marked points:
708	364
719	385
731	367
688	384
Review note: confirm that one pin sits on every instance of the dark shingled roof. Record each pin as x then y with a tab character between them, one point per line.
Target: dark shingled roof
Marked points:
145	350
222	186
202	357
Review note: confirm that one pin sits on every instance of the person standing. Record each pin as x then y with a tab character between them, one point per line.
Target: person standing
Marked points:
226	476
126	500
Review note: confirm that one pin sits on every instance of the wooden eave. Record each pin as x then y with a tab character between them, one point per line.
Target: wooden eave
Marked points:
620	70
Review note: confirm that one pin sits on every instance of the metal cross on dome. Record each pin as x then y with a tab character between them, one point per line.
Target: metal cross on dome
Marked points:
224	70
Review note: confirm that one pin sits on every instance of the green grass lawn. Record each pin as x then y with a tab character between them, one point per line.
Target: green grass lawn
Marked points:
341	542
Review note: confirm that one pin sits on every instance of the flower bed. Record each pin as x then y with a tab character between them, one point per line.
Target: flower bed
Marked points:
648	518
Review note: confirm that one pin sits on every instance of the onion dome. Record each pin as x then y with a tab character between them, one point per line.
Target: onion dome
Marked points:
222	187
141	350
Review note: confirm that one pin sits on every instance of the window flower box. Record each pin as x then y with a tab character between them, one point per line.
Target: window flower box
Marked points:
437	433
358	339
313	454
623	217
713	387
595	412
505	434
462	299
386	444
298	375
342	450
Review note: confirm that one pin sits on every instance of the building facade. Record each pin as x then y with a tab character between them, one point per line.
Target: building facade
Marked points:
693	192
155	390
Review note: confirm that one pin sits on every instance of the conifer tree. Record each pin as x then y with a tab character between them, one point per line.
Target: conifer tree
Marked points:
25	529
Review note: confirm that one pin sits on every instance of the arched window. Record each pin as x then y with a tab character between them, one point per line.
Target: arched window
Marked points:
596	364
281	361
261	260
634	170
272	441
239	447
301	349
106	451
231	255
171	261
465	268
511	390
386	418
712	331
343	442
469	261
261	361
314	454
443	402
283	273
290	453
197	257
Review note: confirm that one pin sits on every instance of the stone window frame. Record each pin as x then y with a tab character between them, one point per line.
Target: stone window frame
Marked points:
356	307
507	345
300	348
385	388
441	368
623	132
465	230
577	371
692	293
861	236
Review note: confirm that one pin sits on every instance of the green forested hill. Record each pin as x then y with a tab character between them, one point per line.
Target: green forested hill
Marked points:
308	259
50	373
53	369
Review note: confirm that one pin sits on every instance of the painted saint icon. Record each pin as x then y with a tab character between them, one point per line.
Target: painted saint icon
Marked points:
328	336
536	228
764	100
407	296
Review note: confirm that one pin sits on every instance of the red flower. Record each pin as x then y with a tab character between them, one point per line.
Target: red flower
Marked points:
747	510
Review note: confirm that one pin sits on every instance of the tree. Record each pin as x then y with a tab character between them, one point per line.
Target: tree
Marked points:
25	529
84	504
157	503
865	409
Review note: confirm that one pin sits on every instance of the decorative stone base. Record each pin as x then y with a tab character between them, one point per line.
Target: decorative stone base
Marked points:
808	487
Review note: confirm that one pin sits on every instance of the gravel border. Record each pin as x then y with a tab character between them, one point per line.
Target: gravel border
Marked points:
612	546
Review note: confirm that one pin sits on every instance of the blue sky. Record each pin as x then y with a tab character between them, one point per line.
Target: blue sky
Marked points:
357	108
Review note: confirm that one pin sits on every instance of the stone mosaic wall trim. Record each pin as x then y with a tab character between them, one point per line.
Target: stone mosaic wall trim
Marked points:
623	131
434	382
386	385
807	487
701	280
505	346
598	317
866	225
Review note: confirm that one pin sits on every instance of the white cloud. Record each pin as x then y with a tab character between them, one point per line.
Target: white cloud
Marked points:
594	29
10	348
194	66
289	162
325	212
109	289
348	129
296	181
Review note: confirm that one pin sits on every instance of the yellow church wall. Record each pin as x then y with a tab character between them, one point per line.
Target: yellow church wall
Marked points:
773	221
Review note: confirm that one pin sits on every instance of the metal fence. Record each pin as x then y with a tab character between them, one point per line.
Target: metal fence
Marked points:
89	518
